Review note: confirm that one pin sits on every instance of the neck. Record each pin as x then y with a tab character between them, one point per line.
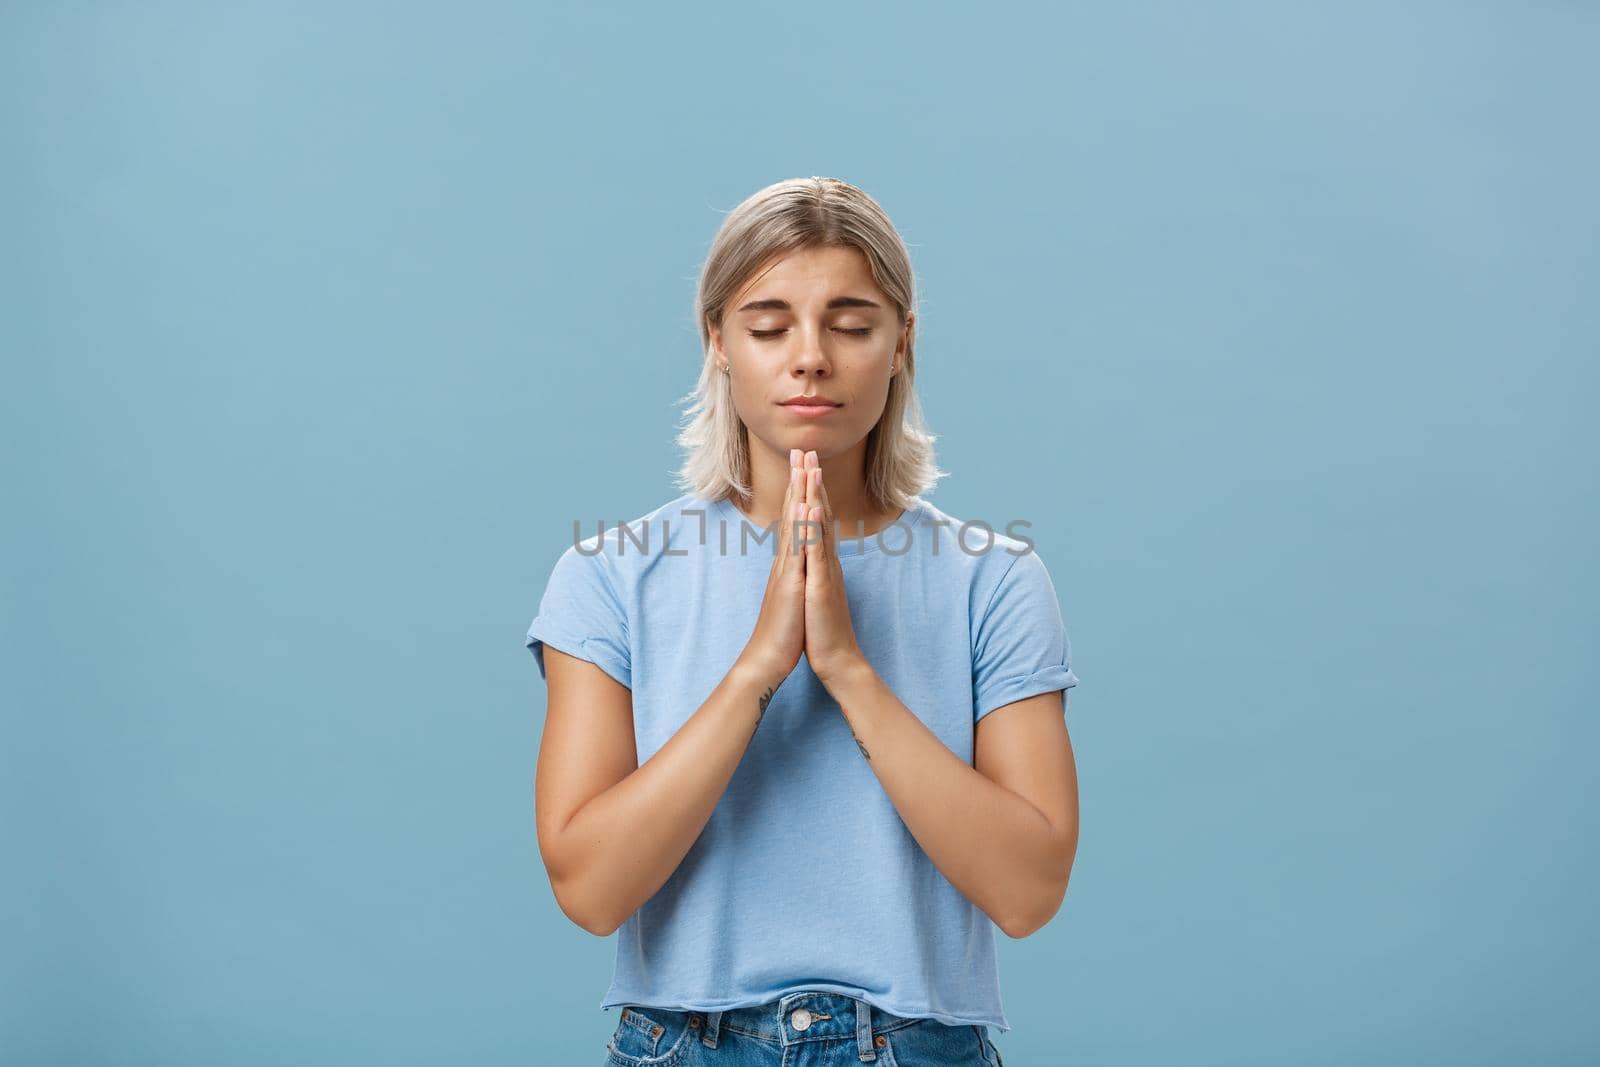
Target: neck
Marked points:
843	476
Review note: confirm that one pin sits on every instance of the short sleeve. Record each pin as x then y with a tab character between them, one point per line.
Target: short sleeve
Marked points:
582	615
1020	645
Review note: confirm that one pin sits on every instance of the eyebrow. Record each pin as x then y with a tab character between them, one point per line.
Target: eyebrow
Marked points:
836	302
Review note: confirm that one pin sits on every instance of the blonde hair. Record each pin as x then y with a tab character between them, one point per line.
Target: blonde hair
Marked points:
785	217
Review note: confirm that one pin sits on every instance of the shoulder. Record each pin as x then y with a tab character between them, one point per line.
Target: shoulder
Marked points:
989	553
617	550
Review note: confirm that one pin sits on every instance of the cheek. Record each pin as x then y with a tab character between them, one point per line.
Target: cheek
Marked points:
752	403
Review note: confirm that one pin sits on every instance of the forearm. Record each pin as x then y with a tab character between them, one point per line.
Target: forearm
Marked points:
993	845
623	845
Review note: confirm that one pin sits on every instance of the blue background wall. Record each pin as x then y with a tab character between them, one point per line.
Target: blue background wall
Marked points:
321	321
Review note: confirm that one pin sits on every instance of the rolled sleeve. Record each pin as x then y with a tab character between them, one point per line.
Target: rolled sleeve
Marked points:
580	614
1021	647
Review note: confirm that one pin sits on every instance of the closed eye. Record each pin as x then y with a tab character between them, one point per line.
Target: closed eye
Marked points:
767	335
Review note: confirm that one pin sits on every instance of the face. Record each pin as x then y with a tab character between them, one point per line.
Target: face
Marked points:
812	322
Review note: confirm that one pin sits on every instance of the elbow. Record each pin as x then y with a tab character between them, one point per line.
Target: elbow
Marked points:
1021	926
576	906
603	929
1026	925
573	892
1048	901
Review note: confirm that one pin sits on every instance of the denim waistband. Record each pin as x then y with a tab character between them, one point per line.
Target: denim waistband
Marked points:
807	1016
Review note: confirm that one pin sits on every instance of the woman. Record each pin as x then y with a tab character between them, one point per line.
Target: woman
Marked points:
772	759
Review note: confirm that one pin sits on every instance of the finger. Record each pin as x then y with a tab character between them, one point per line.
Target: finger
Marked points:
816	552
813	474
786	512
792	514
830	544
819	514
813	501
799	550
830	536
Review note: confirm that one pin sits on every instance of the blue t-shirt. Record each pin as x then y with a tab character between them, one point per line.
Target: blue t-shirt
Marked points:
805	877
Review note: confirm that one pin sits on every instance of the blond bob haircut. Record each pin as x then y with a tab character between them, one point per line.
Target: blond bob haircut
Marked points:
785	217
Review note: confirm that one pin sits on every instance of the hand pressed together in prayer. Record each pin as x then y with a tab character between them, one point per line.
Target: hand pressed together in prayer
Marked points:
830	642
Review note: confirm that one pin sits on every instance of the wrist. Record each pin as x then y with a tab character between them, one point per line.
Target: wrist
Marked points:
759	672
843	673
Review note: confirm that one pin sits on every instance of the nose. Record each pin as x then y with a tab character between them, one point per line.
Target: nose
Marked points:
808	358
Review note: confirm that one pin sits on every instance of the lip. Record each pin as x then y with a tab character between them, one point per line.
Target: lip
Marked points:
816	407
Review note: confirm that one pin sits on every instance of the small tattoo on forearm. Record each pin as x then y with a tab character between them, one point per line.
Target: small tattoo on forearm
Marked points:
859	745
766	698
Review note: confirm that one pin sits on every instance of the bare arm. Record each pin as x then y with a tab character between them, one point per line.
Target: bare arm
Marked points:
611	832
1004	831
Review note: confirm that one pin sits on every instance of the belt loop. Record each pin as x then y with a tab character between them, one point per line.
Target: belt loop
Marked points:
864	1045
713	1025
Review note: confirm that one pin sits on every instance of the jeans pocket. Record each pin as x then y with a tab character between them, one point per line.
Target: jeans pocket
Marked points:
649	1037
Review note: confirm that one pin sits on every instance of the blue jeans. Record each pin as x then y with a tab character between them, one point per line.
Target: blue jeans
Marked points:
806	1029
